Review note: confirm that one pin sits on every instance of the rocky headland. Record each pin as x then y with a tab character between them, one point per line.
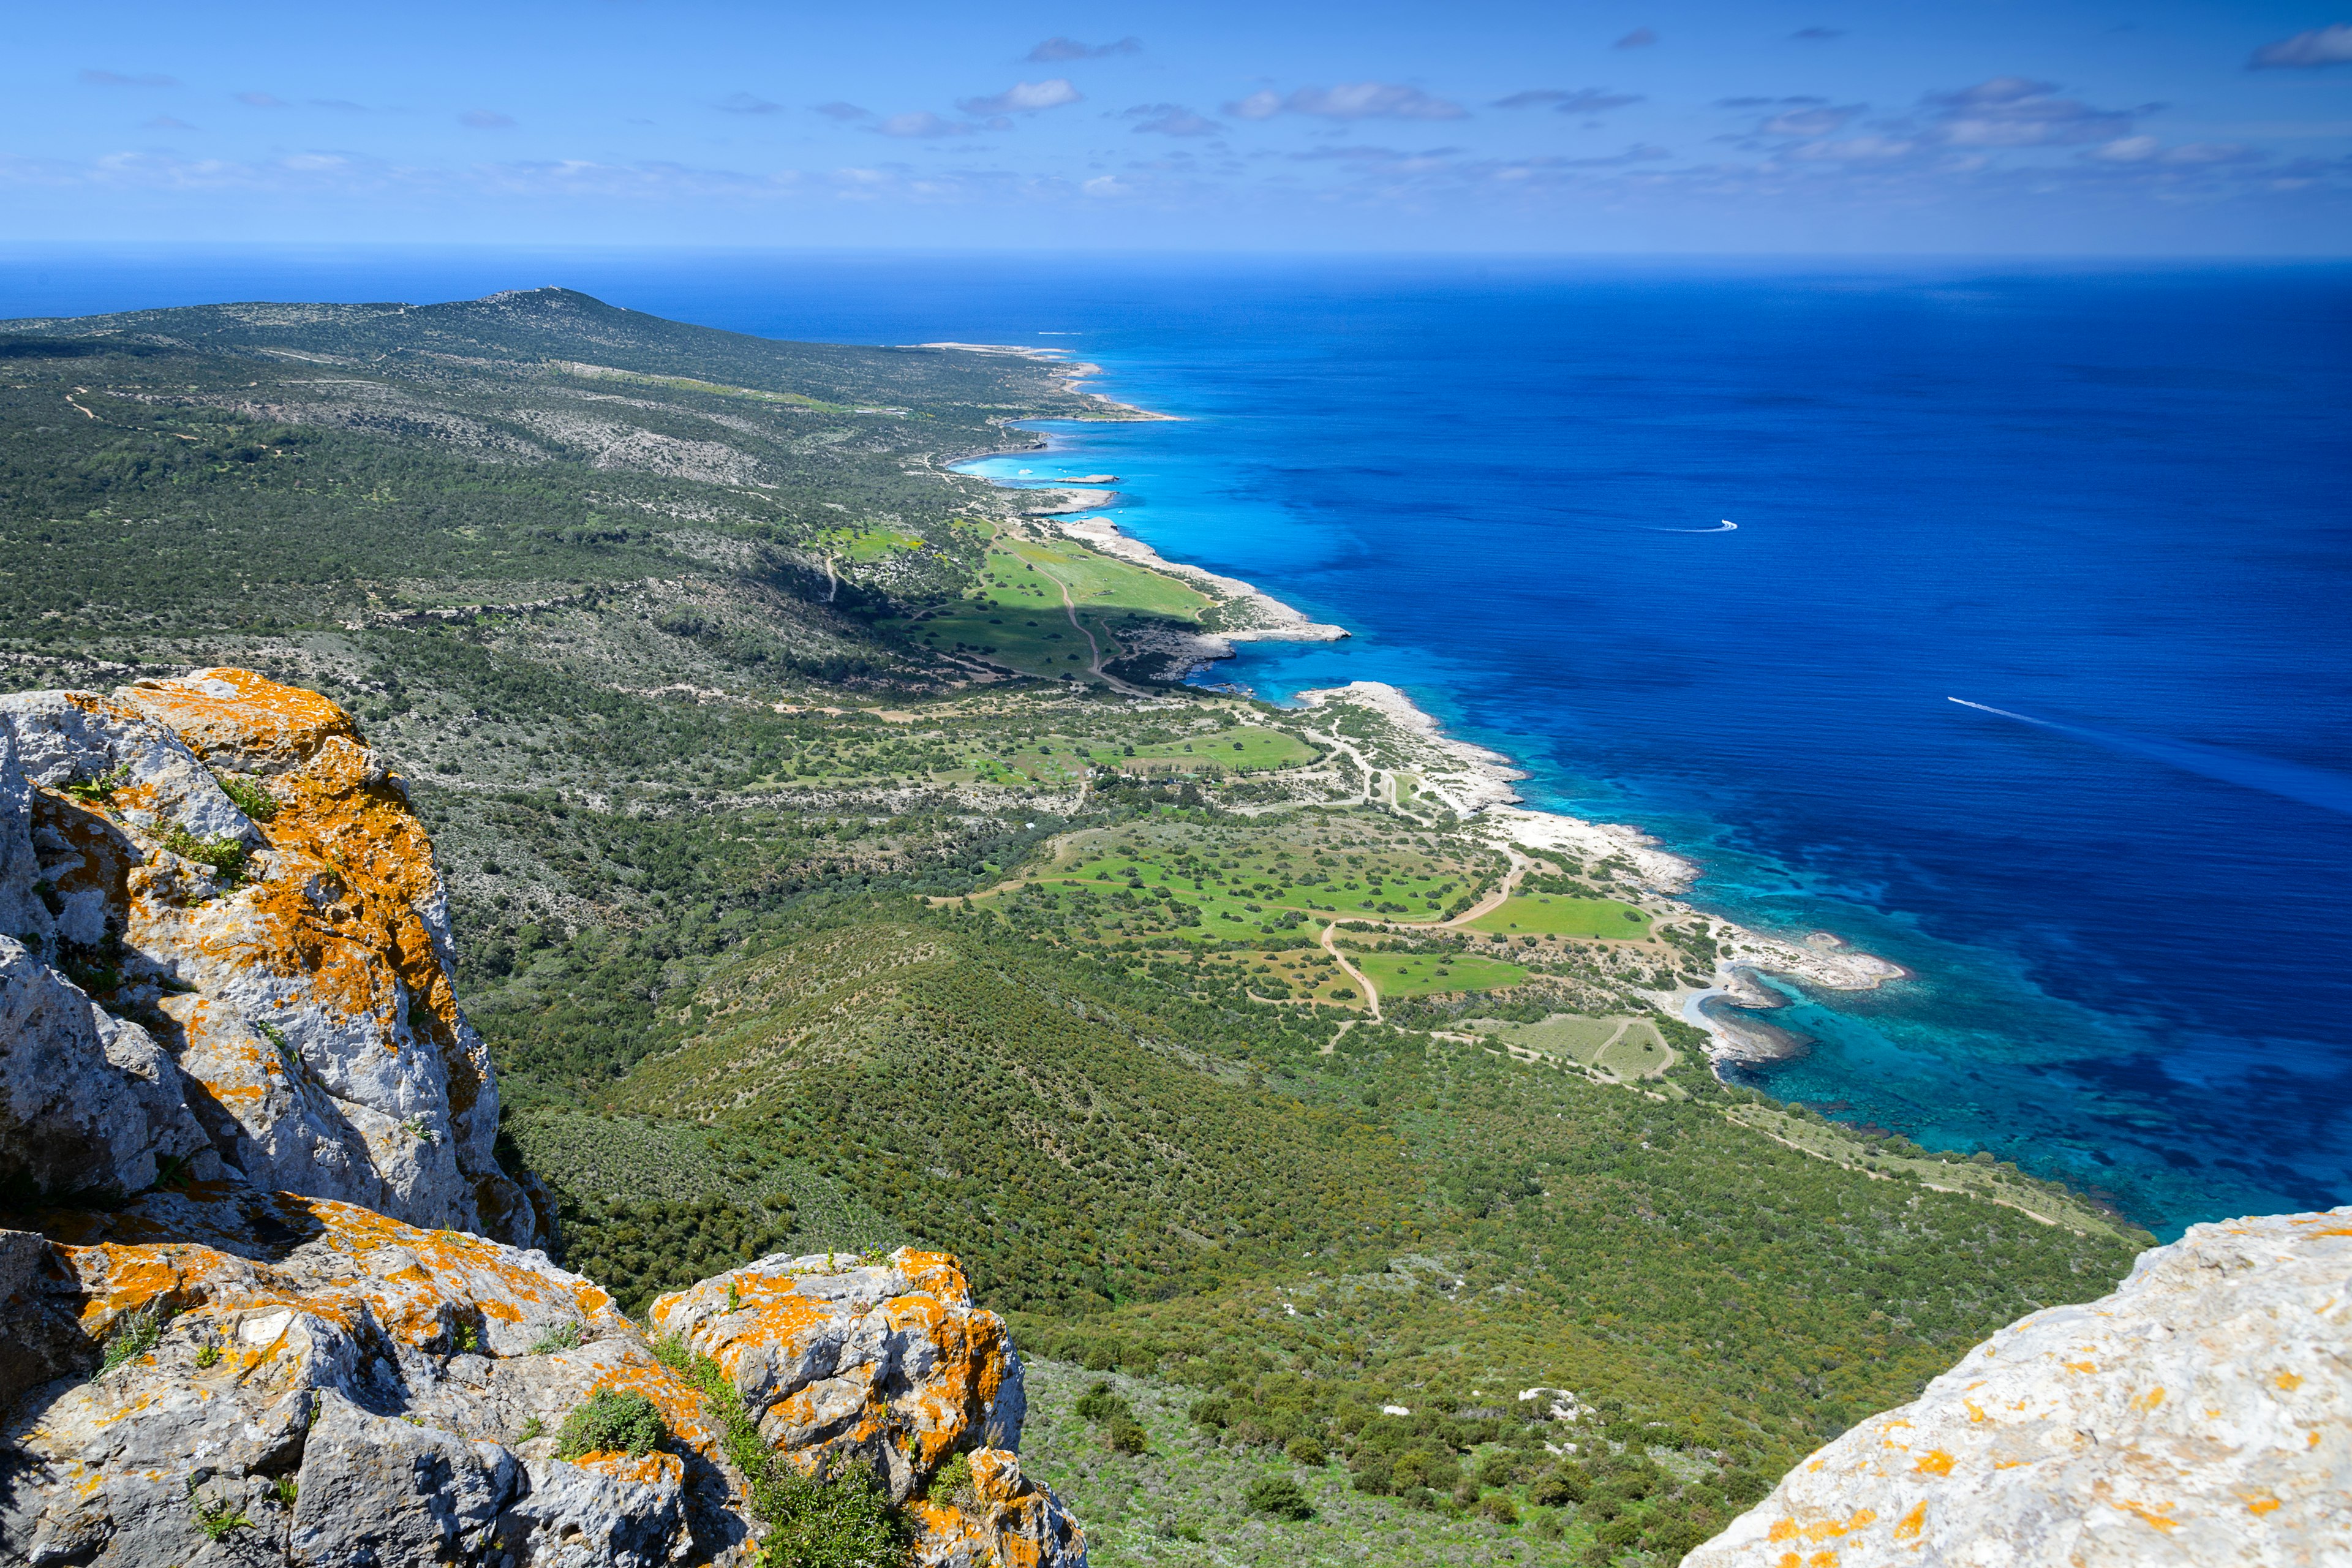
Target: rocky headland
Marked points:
270	1296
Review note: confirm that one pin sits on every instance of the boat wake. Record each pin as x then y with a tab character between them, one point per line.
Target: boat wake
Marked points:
1728	527
2313	786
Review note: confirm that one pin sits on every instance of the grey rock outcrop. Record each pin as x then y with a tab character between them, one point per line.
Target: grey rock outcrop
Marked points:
291	976
2200	1414
275	1302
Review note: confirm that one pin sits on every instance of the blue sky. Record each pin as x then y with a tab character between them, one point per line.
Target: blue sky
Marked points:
1824	126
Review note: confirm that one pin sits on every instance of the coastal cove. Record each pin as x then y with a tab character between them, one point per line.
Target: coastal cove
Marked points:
2015	1029
2028	490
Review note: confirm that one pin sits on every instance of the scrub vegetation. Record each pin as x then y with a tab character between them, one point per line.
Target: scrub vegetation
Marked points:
813	895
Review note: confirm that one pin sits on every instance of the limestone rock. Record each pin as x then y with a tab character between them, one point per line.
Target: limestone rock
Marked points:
288	1311
353	1388
2202	1414
305	996
1005	1520
886	1366
89	1102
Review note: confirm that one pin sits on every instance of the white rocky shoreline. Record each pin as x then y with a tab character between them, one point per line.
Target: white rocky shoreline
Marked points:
1475	784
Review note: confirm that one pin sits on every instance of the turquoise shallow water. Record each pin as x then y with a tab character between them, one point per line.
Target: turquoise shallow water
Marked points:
2113	500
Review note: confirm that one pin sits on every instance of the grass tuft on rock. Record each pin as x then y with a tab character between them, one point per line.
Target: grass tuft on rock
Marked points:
609	1421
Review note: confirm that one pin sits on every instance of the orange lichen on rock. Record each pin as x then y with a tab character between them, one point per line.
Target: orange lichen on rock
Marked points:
308	988
1004	1519
2201	1413
888	1366
240	719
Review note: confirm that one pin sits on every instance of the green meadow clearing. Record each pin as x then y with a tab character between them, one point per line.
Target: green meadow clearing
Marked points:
1625	1047
1553	914
1424	974
1014	616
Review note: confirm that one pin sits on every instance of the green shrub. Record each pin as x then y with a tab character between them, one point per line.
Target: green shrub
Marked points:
1099	1403
1279	1496
1304	1450
224	855
1563	1483
1502	1510
814	1521
99	790
216	1518
562	1337
841	1522
1128	1436
609	1421
250	795
951	1481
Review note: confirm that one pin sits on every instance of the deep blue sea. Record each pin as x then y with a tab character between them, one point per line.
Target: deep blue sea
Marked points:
2118	502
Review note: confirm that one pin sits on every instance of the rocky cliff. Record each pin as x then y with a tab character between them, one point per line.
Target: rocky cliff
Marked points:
2202	1414
272	1299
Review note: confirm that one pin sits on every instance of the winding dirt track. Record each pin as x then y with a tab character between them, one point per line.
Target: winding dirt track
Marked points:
1372	991
1094	648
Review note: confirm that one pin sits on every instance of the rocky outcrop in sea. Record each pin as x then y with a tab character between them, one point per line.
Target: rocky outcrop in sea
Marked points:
272	1299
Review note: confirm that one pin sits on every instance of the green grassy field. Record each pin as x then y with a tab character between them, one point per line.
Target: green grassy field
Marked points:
1423	974
1553	915
1225	888
1036	640
873	543
1095	580
1622	1047
1250	747
1013	614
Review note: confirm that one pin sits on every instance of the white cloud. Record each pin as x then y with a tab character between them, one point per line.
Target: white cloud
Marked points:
923	125
1025	97
1856	150
1170	120
1349	100
1061	49
1107	186
1585	101
2329	46
2126	150
2211	153
2015	111
1810	122
836	109
486	119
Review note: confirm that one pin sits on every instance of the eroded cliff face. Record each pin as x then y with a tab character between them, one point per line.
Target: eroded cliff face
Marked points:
272	1299
2202	1414
282	971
